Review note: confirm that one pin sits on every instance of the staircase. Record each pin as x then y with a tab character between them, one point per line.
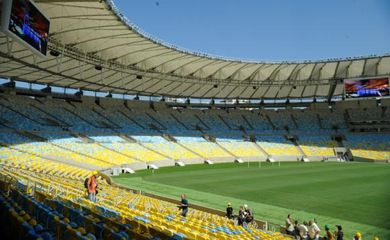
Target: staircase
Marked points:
82	137
53	120
169	137
80	117
180	122
270	122
347	119
111	123
152	150
294	121
131	120
202	122
161	126
127	138
247	122
188	149
319	121
223	120
32	136
257	145
225	150
300	150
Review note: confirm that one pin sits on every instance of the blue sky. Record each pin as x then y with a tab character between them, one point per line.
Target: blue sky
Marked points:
267	30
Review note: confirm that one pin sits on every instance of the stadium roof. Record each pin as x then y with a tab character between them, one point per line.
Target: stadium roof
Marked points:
91	33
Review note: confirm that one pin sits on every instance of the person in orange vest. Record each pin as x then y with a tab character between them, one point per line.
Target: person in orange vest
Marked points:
92	185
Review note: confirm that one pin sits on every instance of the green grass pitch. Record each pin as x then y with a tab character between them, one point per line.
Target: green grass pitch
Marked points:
355	195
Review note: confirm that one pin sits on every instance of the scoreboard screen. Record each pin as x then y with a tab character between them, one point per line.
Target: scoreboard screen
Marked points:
22	20
368	87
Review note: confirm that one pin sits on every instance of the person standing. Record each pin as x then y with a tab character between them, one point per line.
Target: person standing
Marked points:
329	235
303	230
248	214
358	236
92	185
339	233
241	216
314	230
183	205
296	229
289	225
229	211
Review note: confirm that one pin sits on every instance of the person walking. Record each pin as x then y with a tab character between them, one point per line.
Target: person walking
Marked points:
183	205
92	185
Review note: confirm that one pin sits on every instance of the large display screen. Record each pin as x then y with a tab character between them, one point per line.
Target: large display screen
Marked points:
26	22
369	87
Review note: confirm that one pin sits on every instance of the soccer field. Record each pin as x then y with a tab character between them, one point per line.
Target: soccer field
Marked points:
355	195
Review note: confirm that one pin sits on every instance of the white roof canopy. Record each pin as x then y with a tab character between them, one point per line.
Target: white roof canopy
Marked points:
91	32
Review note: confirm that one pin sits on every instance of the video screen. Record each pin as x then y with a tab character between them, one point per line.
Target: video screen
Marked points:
377	87
29	24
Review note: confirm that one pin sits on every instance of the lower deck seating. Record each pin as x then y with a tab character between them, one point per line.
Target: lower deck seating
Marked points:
242	149
58	204
207	149
277	145
25	161
171	149
369	146
319	145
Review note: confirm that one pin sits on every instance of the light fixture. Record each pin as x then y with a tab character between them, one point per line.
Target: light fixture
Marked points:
79	93
98	67
54	53
46	89
10	84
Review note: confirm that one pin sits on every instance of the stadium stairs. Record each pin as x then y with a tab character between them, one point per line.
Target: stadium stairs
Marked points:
261	149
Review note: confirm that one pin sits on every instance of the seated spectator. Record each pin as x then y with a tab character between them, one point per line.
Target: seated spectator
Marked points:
229	211
289	225
339	233
329	235
314	230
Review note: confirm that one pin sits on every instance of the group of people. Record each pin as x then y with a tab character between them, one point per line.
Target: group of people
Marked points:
302	231
311	231
245	215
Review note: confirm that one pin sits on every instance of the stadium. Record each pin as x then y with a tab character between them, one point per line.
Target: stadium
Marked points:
97	96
